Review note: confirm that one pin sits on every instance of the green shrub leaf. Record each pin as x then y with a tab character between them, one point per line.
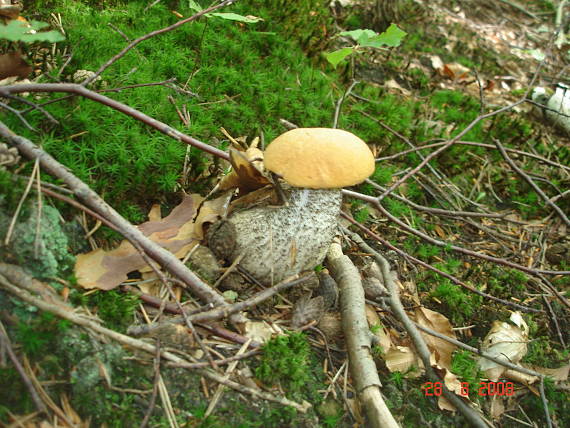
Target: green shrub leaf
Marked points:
337	56
392	37
249	19
19	31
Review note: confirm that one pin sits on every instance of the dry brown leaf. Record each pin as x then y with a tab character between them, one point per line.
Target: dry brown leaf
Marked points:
506	342
13	64
154	214
249	168
261	331
442	349
401	359
210	212
107	269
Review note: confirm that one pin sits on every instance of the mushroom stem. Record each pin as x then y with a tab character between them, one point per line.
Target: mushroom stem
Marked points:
277	242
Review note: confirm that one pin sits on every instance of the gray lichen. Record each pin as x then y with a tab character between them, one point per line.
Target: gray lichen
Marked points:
51	256
277	242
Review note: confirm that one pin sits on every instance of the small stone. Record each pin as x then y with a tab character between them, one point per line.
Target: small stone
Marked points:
205	264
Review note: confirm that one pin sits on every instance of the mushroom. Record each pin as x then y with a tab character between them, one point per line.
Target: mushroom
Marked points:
273	243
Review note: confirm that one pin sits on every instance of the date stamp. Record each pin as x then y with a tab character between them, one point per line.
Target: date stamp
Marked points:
485	389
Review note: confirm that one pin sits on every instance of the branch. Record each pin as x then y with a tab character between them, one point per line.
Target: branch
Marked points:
404	226
123	108
421	348
91	199
356	332
152	34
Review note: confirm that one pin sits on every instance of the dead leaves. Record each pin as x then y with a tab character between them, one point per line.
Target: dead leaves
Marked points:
177	233
506	342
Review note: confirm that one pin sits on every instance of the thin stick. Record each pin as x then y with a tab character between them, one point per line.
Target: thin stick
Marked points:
5	343
356	238
377	204
532	184
123	108
152	402
20	203
421	348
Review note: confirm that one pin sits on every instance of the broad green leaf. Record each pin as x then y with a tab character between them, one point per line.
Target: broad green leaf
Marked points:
337	56
194	6
392	37
19	31
359	35
249	19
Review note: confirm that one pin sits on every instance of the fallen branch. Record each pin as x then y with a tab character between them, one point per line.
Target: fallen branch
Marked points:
434	269
91	199
470	415
356	332
223	311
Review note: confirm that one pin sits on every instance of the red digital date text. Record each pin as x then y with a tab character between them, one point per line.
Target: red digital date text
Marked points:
486	389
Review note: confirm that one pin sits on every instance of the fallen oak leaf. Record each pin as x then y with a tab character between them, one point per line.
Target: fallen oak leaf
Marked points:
107	269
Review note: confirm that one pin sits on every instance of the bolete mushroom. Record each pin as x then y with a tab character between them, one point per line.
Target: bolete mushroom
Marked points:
274	243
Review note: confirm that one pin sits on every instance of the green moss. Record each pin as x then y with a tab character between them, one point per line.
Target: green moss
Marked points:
116	309
287	360
464	365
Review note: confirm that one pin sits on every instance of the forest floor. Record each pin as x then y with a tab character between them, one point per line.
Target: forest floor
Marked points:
476	235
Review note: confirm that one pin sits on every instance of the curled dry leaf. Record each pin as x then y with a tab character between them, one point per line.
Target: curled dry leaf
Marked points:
441	349
107	269
506	342
261	331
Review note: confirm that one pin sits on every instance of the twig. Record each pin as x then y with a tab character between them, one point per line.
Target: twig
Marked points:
475	144
456	248
355	237
421	348
152	402
447	144
341	101
18	115
123	108
23	291
20	203
174	309
532	184
521	9
5	344
220	389
356	333
223	311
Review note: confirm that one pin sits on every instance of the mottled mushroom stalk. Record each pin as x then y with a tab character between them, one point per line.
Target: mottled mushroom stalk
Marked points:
273	243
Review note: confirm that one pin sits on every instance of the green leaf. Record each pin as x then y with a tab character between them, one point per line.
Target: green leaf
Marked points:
392	37
194	6
359	36
337	56
249	19
19	31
